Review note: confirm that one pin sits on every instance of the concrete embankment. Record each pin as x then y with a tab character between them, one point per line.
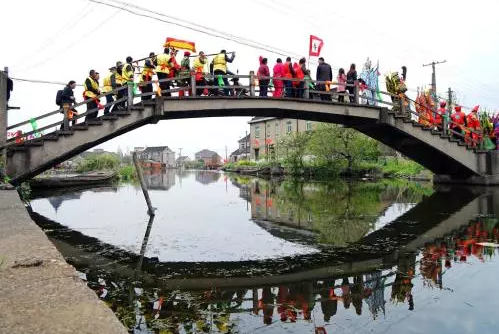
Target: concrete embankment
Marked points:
39	292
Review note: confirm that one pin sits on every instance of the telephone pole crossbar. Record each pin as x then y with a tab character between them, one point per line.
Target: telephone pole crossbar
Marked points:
433	77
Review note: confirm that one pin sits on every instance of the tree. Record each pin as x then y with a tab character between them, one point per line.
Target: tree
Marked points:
332	144
293	148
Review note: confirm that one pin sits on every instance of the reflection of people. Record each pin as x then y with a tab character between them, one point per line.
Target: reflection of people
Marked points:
267	306
329	301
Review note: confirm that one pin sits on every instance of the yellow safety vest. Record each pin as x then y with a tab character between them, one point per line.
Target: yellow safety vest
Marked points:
127	73
146	72
119	79
95	86
163	66
197	65
219	63
107	84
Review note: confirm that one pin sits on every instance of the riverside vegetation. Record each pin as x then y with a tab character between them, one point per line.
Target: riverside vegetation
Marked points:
331	150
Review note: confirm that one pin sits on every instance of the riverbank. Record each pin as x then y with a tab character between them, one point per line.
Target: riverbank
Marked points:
388	168
40	292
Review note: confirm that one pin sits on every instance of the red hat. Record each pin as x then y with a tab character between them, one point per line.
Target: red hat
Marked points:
457	108
475	108
443	103
187	54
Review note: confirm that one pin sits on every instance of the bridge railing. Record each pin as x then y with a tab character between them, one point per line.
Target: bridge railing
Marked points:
188	83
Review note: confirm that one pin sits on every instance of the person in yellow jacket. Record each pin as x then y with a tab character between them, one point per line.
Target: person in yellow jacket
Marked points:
117	83
198	68
163	70
219	65
127	74
108	87
91	91
146	76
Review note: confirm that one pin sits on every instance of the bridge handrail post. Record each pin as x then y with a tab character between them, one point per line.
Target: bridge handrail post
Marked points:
129	97
356	92
306	92
252	83
65	108
444	124
401	105
193	84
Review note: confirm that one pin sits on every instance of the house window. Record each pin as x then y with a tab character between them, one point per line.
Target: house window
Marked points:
268	130
289	127
308	125
257	131
277	129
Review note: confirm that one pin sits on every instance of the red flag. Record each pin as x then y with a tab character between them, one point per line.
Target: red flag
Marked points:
179	44
315	47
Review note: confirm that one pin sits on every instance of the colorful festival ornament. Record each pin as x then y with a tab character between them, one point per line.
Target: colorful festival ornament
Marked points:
34	126
220	81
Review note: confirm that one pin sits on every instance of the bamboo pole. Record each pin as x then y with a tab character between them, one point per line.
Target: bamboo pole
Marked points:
138	168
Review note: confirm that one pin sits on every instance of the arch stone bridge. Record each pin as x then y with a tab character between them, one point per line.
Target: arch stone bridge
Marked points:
451	160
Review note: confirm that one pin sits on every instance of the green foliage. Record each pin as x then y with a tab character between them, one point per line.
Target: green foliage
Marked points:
197	164
24	191
127	173
245	163
292	149
401	168
99	162
331	144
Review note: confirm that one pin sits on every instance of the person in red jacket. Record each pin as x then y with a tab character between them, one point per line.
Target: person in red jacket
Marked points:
458	123
440	115
289	73
278	73
299	70
474	125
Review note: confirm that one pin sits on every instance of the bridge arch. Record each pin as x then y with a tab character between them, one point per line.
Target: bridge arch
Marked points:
448	159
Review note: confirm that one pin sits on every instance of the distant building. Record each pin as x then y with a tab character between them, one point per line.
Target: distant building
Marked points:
243	152
161	154
211	159
182	160
265	133
138	149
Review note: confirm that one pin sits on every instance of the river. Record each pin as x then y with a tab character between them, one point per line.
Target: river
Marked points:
227	253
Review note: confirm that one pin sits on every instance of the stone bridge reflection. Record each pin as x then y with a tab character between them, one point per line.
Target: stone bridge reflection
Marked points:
441	214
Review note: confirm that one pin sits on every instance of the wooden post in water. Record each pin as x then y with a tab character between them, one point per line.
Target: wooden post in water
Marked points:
150	209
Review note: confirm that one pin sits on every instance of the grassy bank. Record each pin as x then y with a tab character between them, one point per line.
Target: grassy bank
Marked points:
125	171
389	167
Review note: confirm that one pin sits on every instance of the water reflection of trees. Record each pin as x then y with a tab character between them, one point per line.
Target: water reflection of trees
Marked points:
341	212
145	307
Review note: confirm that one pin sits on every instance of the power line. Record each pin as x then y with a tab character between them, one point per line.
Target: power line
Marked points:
77	41
200	29
42	81
65	28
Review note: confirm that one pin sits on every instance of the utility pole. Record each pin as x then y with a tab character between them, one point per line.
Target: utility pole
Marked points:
3	121
226	154
433	78
449	101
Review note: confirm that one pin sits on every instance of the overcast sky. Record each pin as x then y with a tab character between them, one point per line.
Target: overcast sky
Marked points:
61	40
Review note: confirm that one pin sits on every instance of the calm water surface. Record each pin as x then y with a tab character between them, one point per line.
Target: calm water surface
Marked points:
234	254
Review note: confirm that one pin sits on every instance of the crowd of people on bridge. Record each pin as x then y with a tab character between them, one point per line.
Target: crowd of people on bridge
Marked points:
474	128
162	74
